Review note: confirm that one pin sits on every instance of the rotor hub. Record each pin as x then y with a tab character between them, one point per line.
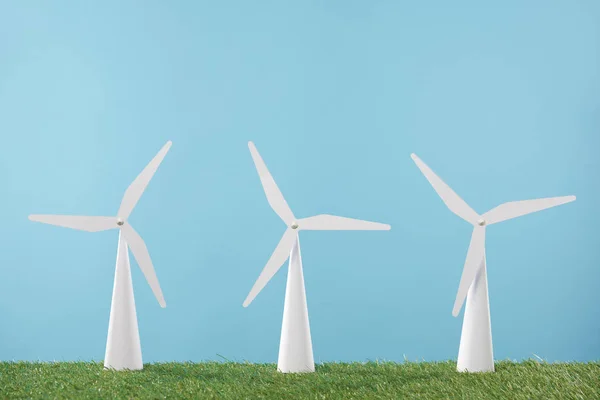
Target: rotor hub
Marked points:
120	222
481	222
294	225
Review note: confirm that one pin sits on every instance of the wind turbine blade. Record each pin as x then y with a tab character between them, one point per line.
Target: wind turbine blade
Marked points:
274	196
475	255
515	209
82	223
140	252
137	187
325	222
281	253
457	205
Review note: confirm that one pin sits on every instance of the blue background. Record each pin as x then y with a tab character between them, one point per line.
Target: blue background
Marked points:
500	100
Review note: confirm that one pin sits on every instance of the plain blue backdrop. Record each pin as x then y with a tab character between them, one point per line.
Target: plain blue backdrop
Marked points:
500	100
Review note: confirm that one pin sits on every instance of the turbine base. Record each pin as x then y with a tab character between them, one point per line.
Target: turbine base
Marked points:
123	348
475	353
295	347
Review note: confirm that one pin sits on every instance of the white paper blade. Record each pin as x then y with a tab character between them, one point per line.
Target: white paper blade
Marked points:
281	253
82	223
325	222
475	255
515	209
457	205
140	252
274	196
136	189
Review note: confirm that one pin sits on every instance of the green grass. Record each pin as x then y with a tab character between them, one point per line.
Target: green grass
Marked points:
373	380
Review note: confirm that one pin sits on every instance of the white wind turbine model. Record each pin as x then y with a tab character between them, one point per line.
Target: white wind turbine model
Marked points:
123	349
475	353
295	347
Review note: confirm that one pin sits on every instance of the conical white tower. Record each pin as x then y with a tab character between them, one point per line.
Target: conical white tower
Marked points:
123	348
295	346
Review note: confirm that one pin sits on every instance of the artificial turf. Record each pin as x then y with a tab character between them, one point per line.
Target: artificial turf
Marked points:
373	380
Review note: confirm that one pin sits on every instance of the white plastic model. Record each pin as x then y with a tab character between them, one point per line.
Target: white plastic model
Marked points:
123	349
475	353
295	348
